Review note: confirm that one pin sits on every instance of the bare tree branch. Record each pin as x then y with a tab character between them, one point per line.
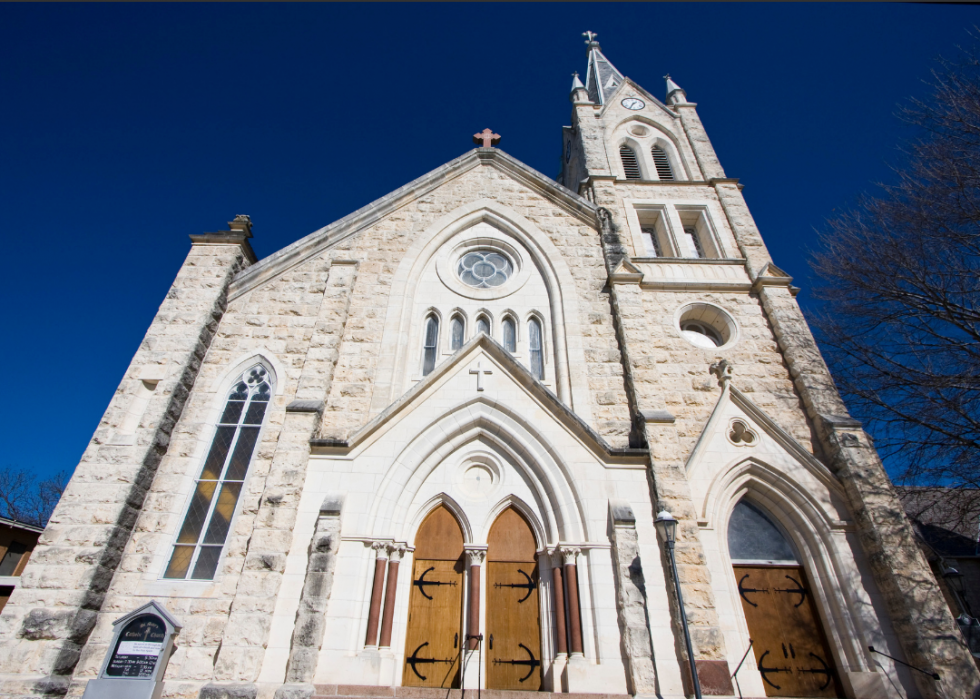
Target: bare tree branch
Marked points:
25	499
899	277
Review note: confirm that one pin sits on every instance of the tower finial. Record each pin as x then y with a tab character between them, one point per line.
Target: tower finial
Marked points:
590	39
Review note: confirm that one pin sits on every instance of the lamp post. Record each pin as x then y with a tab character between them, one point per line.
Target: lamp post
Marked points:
667	526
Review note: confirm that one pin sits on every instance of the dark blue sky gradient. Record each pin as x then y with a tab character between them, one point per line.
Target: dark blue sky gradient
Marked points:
126	127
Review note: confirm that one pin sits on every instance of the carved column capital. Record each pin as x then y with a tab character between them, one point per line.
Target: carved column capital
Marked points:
396	552
569	554
475	555
380	549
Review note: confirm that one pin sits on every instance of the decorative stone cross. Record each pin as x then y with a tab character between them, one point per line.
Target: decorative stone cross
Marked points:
486	138
590	36
479	375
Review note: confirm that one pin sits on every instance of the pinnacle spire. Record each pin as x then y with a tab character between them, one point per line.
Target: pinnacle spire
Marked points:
602	78
675	93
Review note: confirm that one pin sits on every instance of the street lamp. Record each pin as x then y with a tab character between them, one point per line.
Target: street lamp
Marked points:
667	526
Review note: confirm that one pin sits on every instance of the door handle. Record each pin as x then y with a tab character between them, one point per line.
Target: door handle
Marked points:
491	641
455	640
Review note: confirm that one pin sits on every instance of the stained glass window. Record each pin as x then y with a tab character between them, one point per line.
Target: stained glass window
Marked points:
484	269
537	355
219	486
752	536
456	333
510	335
429	347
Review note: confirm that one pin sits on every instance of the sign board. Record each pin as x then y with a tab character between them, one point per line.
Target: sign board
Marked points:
138	655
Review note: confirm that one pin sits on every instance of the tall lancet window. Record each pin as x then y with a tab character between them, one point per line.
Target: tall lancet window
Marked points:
429	346
483	325
630	166
661	163
534	341
456	333
510	335
219	486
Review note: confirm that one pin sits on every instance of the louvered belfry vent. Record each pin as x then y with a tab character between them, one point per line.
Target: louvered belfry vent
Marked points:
630	166
662	164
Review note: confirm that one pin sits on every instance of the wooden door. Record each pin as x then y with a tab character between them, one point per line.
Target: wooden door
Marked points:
791	650
513	638
434	638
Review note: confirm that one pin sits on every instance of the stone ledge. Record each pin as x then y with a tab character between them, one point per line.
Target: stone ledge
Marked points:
305	406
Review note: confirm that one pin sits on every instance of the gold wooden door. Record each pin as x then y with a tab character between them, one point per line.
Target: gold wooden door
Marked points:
790	647
434	638
513	638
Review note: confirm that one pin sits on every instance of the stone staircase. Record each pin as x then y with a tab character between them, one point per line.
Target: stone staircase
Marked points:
353	691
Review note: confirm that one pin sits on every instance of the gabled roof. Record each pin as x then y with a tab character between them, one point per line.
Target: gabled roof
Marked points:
544	397
352	224
733	396
628	84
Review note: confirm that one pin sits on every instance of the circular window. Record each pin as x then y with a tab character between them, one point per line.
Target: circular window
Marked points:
484	269
706	326
700	334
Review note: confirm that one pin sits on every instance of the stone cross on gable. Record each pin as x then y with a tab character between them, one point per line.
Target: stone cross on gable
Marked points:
486	138
479	375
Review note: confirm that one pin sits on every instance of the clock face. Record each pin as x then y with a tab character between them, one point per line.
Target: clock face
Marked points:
633	103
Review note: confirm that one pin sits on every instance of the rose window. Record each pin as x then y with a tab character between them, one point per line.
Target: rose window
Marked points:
484	269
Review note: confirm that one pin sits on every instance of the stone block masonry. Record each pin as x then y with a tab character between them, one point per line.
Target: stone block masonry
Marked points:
51	614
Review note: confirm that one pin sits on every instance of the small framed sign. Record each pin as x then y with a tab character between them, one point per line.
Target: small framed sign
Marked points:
138	655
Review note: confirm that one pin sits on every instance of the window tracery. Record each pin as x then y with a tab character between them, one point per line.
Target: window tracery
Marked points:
207	522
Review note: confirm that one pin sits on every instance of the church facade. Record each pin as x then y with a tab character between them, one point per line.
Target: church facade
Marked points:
426	445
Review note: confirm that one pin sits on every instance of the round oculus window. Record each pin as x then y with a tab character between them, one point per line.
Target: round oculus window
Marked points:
484	269
701	334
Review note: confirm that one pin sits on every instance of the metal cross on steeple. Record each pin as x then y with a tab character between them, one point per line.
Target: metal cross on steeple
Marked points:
590	38
486	138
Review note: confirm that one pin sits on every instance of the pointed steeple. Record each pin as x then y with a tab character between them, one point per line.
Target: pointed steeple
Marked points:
675	93
602	78
578	94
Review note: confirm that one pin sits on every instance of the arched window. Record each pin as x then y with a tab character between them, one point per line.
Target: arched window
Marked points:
483	325
510	335
429	345
456	333
534	341
752	537
630	166
208	518
661	163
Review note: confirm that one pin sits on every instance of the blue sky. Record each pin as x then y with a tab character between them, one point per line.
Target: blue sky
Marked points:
127	127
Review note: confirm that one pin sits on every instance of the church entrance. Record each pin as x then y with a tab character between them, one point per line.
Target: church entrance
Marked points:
791	649
513	638
434	639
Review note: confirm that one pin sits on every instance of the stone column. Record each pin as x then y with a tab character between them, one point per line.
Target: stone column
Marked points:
474	560
570	555
47	622
374	614
631	601
310	617
558	587
395	554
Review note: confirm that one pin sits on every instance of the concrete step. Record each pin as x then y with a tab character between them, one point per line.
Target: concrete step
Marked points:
353	691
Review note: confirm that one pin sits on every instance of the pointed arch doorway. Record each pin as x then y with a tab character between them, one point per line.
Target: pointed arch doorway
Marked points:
433	640
513	636
790	646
